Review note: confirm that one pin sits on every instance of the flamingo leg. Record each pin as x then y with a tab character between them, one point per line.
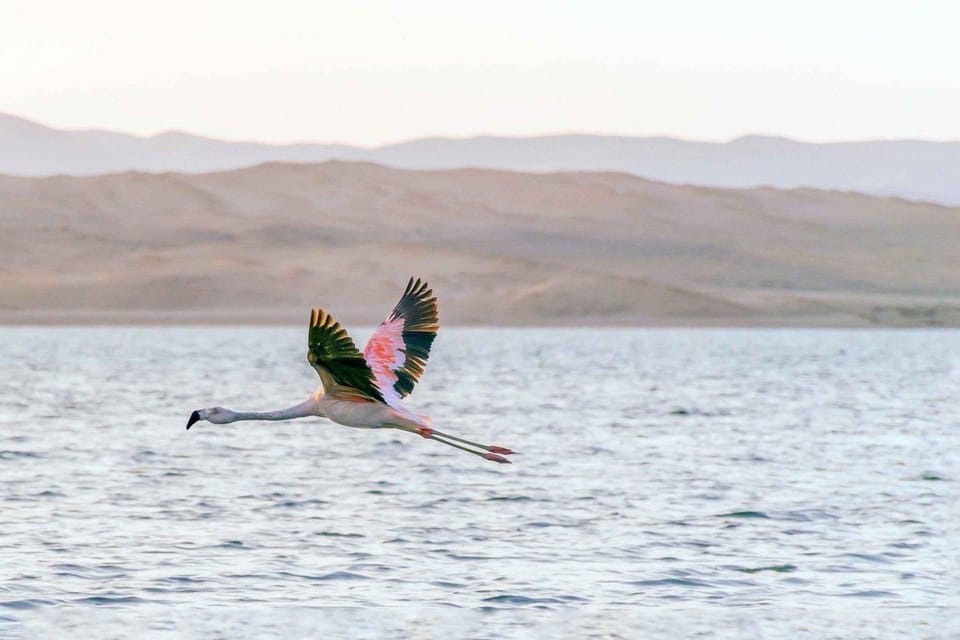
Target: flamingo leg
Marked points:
491	448
430	434
486	456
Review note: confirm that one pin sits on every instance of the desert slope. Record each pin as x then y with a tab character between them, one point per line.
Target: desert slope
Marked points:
915	169
268	242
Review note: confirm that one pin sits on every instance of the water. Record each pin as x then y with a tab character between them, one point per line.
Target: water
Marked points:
710	483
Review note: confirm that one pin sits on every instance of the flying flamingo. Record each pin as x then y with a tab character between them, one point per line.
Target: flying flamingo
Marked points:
365	390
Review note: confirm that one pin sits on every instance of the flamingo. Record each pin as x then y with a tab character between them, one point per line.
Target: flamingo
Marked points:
365	390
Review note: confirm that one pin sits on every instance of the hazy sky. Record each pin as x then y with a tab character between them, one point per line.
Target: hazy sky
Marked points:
373	72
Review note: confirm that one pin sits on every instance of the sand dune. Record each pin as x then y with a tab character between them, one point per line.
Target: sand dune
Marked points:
264	244
916	169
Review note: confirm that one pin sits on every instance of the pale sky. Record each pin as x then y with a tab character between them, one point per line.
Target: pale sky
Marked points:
374	72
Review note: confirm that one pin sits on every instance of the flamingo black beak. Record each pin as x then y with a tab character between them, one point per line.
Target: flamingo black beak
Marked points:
194	417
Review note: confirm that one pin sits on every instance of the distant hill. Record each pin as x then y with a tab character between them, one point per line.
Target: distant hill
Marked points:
266	243
910	169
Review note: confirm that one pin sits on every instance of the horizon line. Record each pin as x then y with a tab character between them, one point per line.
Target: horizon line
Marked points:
481	136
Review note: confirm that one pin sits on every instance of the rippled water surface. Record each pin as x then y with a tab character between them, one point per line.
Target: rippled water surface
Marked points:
719	483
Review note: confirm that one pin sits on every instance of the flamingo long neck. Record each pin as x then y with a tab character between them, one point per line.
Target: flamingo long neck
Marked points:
301	410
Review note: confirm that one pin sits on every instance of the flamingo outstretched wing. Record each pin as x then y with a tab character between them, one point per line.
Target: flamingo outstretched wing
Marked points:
397	351
336	358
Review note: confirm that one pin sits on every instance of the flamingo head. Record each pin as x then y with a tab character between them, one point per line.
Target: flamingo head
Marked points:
216	415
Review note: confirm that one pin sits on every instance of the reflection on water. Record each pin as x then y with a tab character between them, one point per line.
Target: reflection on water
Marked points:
690	477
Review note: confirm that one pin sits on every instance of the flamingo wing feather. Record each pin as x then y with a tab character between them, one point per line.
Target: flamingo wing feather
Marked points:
397	351
341	366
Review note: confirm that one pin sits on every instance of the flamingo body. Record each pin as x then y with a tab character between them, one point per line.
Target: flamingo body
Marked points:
363	414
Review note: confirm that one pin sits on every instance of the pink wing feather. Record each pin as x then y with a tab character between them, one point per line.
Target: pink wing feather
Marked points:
397	351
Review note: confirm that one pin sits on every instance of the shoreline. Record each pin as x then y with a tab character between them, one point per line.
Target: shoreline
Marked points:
273	318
